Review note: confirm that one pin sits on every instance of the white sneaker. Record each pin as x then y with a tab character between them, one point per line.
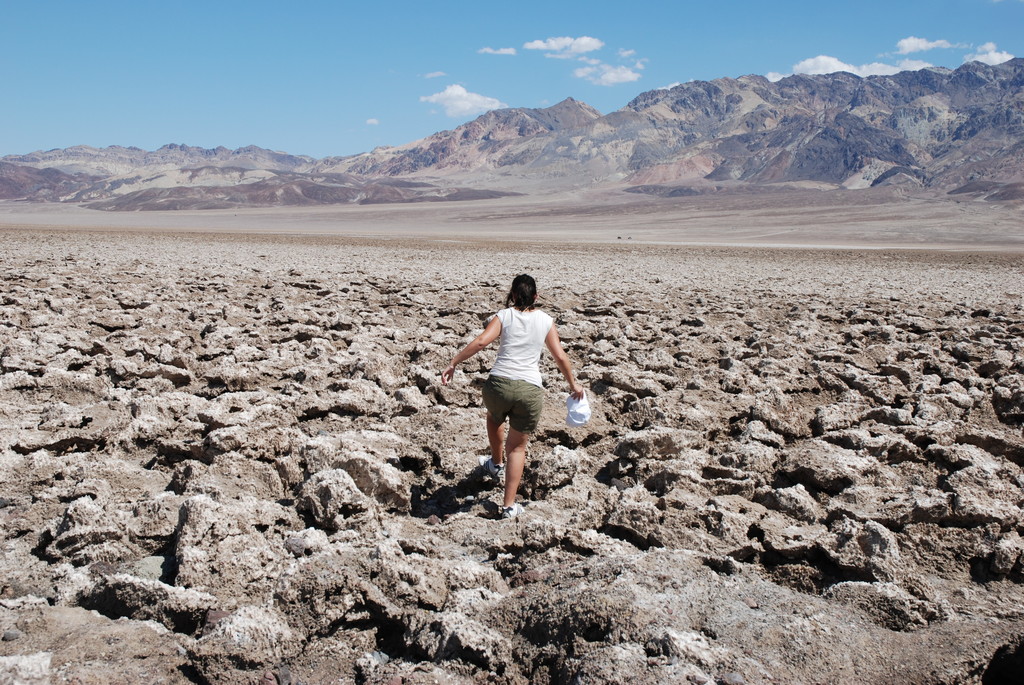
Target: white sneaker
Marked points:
495	471
513	511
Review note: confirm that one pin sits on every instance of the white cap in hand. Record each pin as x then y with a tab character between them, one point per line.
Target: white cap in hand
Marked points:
579	411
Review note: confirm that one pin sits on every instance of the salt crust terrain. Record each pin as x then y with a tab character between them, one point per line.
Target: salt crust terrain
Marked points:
880	217
228	459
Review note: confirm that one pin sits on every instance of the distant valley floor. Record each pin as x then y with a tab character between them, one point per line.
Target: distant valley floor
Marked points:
852	219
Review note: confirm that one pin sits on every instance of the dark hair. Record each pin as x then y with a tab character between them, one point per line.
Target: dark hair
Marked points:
523	292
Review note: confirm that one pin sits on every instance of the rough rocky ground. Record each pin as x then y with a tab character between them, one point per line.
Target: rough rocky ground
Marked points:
228	460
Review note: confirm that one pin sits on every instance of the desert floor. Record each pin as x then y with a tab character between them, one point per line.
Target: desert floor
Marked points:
225	456
858	219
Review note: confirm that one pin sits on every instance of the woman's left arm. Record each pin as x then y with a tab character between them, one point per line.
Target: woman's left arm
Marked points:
490	334
554	344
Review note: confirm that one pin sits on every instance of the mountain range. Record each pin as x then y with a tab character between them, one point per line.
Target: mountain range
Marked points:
934	130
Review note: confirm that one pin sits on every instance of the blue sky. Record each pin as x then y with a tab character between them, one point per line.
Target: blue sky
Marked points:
335	78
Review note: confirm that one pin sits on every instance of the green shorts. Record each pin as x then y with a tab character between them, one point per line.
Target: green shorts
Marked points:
520	402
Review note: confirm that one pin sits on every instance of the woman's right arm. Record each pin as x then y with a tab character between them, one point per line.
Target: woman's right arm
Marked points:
490	334
554	344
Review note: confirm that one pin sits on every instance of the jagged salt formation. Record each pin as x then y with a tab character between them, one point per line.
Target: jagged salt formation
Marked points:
803	467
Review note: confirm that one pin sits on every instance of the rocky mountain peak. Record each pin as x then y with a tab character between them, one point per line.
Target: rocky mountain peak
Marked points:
932	129
567	114
118	160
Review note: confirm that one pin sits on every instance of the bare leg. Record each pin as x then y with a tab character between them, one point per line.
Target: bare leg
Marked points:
515	453
496	438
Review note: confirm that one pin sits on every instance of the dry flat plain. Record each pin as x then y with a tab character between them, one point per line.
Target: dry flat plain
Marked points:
225	456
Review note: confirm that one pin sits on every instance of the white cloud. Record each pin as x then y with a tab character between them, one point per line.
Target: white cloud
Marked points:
606	75
822	64
914	65
496	51
564	46
825	64
372	122
596	71
915	44
435	74
989	54
588	73
459	102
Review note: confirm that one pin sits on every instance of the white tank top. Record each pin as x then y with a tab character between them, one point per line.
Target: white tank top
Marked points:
521	342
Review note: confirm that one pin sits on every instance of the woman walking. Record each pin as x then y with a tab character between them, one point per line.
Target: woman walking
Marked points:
514	390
